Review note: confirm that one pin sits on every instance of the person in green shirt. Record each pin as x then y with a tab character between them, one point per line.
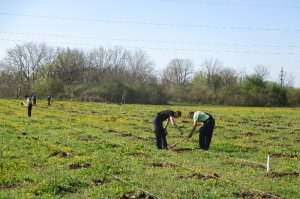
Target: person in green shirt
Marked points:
206	130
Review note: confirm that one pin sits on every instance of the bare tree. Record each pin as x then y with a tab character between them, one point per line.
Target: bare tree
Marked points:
229	76
119	60
178	72
25	60
211	70
140	66
262	72
98	63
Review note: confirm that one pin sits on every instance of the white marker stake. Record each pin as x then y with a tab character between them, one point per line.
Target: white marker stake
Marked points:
268	163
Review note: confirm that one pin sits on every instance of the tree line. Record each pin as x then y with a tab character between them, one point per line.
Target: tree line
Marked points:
119	75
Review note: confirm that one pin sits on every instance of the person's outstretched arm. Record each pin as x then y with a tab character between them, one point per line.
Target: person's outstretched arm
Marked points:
175	126
193	129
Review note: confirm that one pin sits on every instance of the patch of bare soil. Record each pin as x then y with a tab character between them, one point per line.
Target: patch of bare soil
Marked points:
247	194
9	186
232	137
164	164
279	175
200	176
257	141
282	127
79	165
248	164
254	165
284	155
250	134
126	134
112	131
60	154
131	195
180	150
175	136
100	181
145	138
147	129
87	139
277	138
34	138
148	121
111	145
251	149
25	133
279	145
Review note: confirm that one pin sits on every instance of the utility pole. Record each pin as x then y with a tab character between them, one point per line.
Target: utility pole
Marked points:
281	77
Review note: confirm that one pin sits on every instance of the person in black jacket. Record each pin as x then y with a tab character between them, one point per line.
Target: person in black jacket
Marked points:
160	131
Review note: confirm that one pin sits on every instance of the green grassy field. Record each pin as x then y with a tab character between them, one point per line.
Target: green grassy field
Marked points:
97	150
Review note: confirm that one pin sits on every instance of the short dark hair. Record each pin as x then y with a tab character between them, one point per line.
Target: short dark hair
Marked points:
191	114
178	113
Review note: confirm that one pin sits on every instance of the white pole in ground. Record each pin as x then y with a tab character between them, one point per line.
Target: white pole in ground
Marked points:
268	163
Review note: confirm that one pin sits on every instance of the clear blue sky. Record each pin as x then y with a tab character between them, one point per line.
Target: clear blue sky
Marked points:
241	34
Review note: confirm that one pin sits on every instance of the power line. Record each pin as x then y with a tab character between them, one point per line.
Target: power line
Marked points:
214	3
152	41
239	28
163	48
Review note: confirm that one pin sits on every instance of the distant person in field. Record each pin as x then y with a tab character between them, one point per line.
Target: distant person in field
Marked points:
28	103
34	99
206	130
49	100
160	131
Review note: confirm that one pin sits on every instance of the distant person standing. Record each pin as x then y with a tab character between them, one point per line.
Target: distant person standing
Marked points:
28	103
160	131
49	100
206	130
34	99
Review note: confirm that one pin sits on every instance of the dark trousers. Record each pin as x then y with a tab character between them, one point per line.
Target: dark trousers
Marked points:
206	132
29	110
160	134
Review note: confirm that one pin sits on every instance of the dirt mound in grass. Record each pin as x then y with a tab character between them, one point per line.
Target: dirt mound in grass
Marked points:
79	165
126	134
277	138
131	195
233	137
282	155
179	150
200	176
25	133
164	164
62	154
247	194
248	164
112	131
250	134
100	181
279	175
87	139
